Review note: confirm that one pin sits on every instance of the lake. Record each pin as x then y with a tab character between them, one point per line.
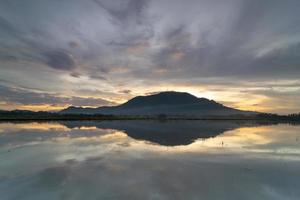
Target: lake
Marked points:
164	160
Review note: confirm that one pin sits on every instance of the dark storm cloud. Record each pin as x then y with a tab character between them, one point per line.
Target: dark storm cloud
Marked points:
24	97
60	60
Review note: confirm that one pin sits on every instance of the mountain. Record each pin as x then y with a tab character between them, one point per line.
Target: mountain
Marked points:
166	103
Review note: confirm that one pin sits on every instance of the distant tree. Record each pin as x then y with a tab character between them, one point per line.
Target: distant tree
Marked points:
162	116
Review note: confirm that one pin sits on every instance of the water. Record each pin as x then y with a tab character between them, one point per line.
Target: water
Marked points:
149	160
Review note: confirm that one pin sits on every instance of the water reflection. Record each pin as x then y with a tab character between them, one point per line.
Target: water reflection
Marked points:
141	160
167	133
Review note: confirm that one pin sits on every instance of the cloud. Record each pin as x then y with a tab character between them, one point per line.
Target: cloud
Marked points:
147	43
97	77
75	74
124	10
125	91
237	38
7	28
24	97
60	60
231	48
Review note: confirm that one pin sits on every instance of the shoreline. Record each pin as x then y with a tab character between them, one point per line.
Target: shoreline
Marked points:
54	119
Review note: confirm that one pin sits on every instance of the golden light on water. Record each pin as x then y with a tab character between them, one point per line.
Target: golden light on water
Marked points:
33	126
245	139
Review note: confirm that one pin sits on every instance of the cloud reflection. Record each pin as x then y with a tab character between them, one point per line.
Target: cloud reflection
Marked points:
81	160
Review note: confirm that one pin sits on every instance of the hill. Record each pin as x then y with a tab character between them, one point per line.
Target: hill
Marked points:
164	103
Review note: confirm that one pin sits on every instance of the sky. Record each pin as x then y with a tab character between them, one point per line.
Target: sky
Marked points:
242	53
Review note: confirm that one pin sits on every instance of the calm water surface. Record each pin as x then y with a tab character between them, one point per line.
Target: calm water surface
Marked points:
149	160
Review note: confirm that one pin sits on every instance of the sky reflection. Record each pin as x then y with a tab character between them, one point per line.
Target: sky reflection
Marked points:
55	161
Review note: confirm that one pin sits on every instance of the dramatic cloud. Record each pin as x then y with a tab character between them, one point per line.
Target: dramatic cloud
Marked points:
148	45
24	97
60	60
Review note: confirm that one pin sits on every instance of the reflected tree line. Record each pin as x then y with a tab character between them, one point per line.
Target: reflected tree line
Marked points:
30	115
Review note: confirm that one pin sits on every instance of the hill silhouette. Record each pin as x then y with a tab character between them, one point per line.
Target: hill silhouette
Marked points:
164	103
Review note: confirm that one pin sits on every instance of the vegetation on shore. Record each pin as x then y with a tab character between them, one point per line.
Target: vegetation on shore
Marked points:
30	115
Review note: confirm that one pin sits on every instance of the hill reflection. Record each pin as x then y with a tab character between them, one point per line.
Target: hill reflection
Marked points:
170	133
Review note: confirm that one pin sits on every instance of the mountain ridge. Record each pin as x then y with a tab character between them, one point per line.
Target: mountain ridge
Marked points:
167	103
